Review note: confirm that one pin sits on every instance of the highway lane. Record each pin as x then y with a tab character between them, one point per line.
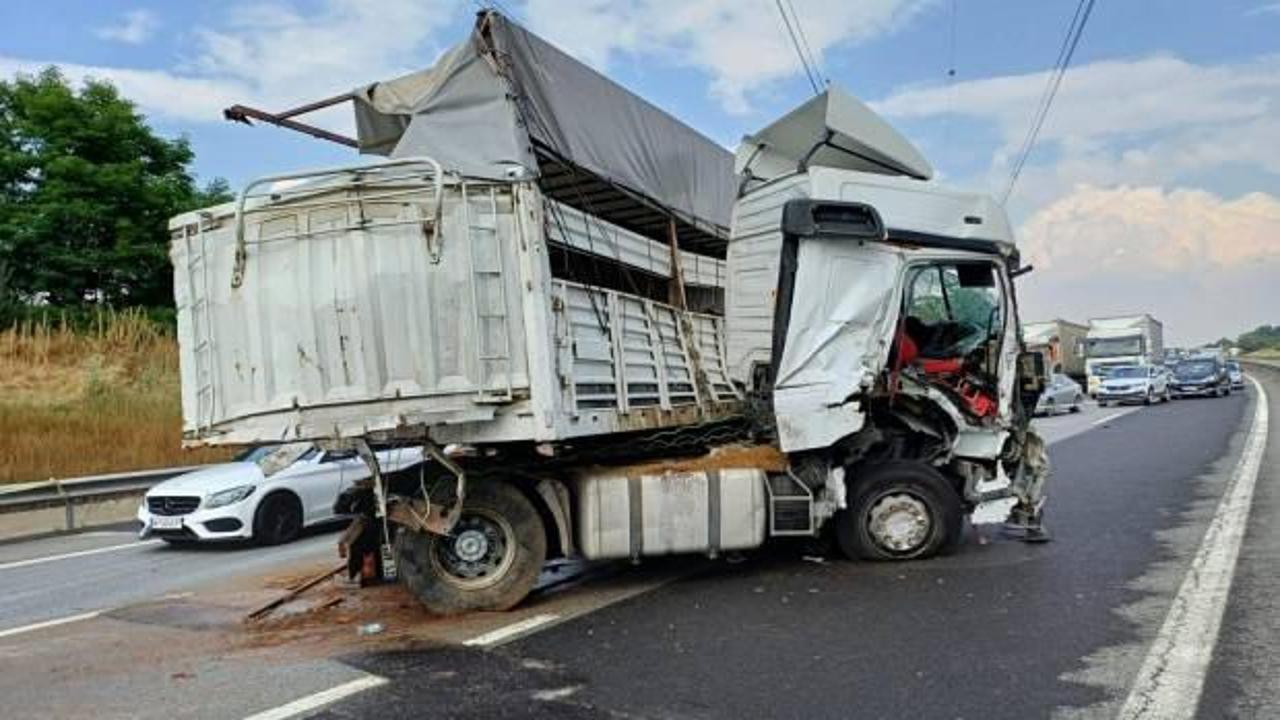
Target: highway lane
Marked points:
44	578
57	577
997	629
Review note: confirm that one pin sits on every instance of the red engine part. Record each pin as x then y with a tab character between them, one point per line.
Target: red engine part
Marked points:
979	402
947	366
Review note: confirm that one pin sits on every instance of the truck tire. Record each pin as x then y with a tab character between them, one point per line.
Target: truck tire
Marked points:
490	560
900	510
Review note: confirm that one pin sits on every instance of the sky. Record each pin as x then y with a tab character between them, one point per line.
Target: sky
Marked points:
1154	187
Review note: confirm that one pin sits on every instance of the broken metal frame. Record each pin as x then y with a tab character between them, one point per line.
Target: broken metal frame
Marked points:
359	180
245	114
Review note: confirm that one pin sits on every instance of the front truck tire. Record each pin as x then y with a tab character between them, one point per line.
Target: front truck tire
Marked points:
490	560
900	510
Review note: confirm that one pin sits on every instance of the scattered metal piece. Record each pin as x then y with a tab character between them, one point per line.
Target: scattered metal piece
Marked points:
291	593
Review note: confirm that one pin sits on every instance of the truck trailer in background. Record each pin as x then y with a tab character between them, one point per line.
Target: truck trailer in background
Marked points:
1126	340
1061	344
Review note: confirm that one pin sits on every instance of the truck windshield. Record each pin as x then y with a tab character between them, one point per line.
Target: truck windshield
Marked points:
953	309
1128	372
1115	347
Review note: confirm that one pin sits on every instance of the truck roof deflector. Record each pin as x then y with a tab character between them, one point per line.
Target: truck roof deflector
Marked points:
835	130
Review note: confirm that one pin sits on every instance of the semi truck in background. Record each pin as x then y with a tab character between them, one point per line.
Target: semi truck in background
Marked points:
1061	343
1126	340
514	291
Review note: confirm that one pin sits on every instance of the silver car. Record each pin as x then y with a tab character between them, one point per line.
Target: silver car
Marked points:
1062	394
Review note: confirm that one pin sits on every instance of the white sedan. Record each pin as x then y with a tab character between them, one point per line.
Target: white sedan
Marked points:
268	494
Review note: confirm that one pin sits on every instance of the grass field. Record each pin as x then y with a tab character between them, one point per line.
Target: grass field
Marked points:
99	399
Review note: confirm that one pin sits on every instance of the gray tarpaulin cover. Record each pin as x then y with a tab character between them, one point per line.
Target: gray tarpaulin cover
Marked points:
480	109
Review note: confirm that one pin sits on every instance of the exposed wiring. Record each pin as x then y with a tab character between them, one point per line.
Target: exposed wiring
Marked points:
1069	42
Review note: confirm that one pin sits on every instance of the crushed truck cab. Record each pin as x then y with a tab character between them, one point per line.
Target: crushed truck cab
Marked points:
611	337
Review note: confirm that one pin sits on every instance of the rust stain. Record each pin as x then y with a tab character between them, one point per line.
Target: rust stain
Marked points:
762	457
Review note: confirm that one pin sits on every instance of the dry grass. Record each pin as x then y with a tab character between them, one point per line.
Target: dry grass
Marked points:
96	400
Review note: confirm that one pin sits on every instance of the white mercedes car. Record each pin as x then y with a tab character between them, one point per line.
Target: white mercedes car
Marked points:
267	494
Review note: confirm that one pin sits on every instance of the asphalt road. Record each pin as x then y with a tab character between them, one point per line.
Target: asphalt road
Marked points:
997	629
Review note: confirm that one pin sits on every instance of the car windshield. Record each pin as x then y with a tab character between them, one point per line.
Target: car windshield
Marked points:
274	458
1127	372
254	454
1195	368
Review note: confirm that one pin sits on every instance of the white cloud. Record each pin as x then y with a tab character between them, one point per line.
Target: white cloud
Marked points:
158	93
275	55
742	45
1267	9
135	28
1206	265
1148	121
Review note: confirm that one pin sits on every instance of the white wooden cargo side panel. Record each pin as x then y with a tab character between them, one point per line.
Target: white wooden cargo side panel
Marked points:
344	323
573	228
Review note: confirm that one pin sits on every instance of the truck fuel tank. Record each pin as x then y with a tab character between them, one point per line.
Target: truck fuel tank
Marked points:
670	512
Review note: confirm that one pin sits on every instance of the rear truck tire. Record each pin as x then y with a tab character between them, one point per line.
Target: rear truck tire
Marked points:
490	560
278	519
900	510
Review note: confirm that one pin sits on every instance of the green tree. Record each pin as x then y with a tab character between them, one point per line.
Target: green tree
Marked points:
1263	336
86	192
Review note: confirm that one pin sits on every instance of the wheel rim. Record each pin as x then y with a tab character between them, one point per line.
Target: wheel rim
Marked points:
479	551
899	523
286	522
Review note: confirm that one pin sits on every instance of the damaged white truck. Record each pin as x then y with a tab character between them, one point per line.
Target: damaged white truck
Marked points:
613	338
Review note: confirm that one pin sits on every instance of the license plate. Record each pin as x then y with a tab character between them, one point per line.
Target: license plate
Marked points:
166	522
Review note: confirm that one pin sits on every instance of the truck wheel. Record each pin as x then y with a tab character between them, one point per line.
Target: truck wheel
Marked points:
490	560
901	510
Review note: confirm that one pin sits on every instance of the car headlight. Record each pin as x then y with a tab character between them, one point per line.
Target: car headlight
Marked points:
228	497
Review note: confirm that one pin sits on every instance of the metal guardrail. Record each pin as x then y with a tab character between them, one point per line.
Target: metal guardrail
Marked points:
30	496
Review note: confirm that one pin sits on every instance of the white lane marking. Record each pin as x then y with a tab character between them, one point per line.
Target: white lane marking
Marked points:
1112	416
78	553
49	623
511	632
1172	675
312	702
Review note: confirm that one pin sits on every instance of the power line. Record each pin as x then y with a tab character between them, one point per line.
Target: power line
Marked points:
1069	42
795	42
804	40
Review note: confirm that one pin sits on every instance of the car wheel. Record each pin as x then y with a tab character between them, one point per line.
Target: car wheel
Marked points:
1075	404
1102	403
278	519
1149	398
489	561
901	510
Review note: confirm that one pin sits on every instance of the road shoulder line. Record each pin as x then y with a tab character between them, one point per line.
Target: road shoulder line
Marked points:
78	553
1172	675
314	701
10	632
